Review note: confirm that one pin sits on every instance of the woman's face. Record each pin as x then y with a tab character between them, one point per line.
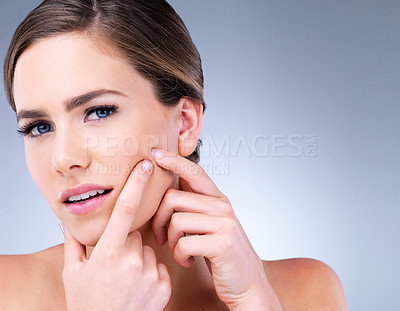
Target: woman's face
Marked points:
72	143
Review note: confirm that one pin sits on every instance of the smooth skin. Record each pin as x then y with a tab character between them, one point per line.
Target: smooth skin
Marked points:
167	239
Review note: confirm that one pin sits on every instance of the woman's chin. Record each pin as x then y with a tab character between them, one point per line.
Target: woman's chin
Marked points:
92	233
87	240
88	236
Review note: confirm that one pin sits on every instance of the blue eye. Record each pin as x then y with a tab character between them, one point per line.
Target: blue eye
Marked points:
100	112
35	129
40	129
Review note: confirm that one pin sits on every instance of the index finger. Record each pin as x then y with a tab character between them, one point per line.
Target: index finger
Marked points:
194	175
125	209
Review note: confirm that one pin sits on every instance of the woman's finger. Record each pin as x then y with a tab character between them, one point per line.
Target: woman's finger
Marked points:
165	281
150	262
195	245
156	272
182	201
134	244
164	274
194	174
74	252
190	223
128	202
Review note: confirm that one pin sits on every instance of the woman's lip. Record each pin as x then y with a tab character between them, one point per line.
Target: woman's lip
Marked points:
80	190
88	205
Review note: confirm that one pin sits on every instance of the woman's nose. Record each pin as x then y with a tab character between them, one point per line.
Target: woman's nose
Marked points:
69	154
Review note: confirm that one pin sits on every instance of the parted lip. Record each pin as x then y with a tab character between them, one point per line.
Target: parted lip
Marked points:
81	189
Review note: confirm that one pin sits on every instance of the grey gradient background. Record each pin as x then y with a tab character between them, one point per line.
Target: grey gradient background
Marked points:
275	70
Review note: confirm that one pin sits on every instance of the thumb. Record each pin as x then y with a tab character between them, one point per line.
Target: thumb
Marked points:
74	251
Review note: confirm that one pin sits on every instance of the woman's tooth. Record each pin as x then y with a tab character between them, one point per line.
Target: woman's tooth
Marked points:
85	196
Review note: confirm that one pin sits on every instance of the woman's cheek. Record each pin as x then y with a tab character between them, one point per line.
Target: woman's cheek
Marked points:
89	231
160	181
40	169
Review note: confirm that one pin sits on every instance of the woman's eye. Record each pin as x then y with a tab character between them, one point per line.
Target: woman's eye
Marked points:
40	129
35	129
99	113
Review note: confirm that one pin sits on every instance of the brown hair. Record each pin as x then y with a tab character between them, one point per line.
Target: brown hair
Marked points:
147	33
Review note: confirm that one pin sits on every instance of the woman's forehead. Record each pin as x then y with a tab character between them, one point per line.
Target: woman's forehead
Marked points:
68	65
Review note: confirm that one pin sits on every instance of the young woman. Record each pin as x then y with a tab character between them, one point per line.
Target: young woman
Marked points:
109	97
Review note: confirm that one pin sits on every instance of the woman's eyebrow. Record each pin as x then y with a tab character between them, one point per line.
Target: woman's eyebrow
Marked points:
70	103
74	102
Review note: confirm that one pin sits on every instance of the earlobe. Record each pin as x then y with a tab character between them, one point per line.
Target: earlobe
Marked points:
191	114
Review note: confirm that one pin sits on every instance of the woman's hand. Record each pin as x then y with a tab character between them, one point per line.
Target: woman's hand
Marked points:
121	273
215	233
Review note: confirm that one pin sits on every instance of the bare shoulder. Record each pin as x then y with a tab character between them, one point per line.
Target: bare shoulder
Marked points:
26	279
53	257
305	284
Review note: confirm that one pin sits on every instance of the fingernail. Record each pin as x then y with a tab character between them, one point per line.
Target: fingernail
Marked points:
157	154
62	227
147	165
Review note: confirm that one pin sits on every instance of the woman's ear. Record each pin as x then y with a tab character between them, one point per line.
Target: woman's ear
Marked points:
191	116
